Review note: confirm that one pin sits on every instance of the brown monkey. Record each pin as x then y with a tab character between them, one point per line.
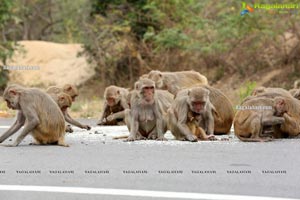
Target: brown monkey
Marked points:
64	101
39	114
191	115
278	91
174	81
223	113
289	109
252	123
67	88
114	106
145	119
164	99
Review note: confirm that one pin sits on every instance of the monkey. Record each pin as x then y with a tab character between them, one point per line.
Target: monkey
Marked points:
64	101
297	84
289	109
223	113
252	123
144	119
278	91
37	111
174	81
114	106
67	88
164	99
295	93
190	116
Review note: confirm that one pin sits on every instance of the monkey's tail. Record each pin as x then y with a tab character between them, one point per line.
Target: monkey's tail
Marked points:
120	137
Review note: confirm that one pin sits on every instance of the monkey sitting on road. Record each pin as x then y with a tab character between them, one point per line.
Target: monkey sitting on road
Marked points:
38	113
64	98
190	116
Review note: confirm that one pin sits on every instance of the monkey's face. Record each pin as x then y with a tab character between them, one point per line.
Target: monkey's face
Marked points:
111	101
198	99
12	101
198	106
64	101
280	106
148	93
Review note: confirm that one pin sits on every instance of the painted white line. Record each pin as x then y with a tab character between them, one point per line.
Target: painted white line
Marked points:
4	126
136	193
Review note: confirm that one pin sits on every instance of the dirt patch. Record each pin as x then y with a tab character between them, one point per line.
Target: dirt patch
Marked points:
57	64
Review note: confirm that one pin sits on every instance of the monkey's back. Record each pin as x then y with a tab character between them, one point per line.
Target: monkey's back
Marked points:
52	123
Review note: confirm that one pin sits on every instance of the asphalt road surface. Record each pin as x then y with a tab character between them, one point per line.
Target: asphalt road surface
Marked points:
97	167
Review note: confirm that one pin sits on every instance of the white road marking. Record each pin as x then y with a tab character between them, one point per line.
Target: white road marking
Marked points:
136	193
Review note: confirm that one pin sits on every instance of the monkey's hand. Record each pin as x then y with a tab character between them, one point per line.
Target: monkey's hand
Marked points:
110	117
192	138
101	122
87	127
211	137
130	139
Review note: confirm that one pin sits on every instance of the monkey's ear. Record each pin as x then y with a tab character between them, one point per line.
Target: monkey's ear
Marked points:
69	88
118	92
12	92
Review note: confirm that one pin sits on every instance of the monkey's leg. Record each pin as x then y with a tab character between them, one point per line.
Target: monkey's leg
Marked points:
61	142
173	126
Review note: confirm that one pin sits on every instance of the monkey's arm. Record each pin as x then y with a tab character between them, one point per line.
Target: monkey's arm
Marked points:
210	123
124	103
15	127
134	123
159	122
117	115
102	116
72	121
182	126
32	122
290	125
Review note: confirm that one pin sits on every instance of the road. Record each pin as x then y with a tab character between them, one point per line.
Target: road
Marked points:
94	164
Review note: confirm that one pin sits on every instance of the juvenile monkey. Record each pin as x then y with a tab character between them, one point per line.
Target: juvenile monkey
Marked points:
144	120
114	106
174	81
39	114
190	116
64	101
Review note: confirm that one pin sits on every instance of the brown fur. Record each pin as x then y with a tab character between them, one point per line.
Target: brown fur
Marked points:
44	120
174	81
67	88
223	112
114	114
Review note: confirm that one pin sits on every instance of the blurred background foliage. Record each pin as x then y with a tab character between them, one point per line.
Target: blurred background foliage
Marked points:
127	38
